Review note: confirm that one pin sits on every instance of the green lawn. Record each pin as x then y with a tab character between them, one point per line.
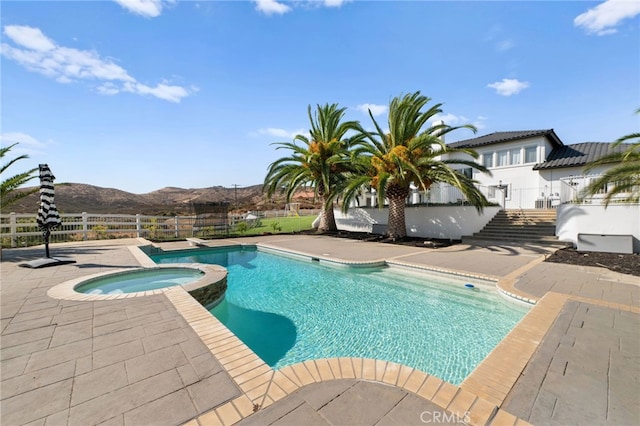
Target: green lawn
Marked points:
280	225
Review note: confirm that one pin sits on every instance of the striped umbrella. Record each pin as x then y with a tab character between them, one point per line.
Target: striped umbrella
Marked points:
48	216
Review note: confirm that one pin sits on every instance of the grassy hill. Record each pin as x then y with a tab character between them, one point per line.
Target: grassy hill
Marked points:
78	197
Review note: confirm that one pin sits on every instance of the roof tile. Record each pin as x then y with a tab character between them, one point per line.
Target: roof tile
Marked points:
578	154
499	137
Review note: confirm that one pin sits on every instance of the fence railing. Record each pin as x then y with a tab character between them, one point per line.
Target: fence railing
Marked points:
21	229
546	196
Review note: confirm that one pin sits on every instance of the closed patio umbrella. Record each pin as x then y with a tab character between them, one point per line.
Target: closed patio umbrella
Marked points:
48	219
48	216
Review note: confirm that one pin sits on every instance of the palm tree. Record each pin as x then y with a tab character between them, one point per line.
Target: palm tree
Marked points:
391	161
621	179
319	161
8	187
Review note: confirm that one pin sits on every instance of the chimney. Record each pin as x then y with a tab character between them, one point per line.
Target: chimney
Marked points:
438	123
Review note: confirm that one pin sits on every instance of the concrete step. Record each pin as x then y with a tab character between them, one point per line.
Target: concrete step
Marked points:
512	229
521	226
529	232
500	225
525	217
548	242
523	220
515	236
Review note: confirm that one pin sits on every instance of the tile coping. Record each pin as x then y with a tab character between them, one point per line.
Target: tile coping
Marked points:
66	290
328	259
479	397
262	386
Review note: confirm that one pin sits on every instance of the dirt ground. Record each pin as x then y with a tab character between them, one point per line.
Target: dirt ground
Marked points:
622	263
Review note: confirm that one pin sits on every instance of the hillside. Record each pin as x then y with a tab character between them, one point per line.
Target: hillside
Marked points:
78	197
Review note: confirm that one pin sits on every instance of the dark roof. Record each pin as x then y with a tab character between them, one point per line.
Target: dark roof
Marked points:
499	137
577	154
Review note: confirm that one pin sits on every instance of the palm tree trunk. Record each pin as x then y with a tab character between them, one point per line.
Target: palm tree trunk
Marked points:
327	219
396	227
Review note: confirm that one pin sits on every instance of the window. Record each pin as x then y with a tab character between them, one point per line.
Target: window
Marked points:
487	159
516	157
503	158
468	172
530	154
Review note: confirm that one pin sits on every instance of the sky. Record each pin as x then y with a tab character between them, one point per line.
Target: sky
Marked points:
139	95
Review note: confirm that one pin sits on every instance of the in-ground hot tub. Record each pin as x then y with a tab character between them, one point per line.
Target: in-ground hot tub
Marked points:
139	280
206	283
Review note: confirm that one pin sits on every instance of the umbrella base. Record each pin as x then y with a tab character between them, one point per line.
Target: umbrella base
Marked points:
47	261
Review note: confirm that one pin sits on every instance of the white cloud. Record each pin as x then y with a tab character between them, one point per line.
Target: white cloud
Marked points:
27	144
161	91
31	38
504	45
449	119
375	109
146	8
509	86
458	120
36	52
479	122
282	133
495	35
601	19
269	7
334	3
108	88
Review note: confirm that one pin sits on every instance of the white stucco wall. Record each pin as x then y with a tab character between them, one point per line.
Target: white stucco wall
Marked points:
450	222
617	219
524	184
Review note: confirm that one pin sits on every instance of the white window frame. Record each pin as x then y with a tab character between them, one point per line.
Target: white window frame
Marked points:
488	156
503	154
517	152
526	148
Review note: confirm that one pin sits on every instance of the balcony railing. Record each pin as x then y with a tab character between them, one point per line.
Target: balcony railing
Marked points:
547	196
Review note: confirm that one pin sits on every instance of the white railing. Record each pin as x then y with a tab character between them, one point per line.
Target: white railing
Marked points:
21	229
548	196
568	190
506	196
573	190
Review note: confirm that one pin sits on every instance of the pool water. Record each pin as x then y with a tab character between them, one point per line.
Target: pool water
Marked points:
287	311
139	280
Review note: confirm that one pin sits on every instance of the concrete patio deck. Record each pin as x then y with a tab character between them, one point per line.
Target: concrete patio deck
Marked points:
575	359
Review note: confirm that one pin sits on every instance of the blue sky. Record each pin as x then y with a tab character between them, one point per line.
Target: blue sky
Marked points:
140	95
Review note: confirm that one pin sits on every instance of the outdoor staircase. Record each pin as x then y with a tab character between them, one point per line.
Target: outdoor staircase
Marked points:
520	226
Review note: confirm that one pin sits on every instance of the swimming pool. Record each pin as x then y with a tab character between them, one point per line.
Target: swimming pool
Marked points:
287	311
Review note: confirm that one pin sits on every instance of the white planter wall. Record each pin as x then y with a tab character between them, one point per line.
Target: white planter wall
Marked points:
451	222
622	219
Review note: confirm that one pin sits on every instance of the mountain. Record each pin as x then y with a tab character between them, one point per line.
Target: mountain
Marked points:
78	197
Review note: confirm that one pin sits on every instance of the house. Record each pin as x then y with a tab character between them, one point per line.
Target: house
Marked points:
530	169
533	168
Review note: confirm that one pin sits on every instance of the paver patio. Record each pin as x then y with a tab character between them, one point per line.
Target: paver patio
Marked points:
138	361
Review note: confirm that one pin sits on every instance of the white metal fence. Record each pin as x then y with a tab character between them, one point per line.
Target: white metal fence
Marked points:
21	229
